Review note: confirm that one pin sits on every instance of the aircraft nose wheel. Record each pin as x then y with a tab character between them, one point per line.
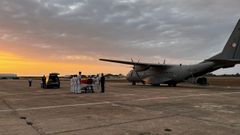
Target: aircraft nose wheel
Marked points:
172	85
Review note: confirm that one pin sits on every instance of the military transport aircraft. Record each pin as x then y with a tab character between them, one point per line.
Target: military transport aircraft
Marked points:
156	74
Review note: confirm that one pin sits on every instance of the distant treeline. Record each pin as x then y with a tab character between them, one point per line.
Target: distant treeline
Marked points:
15	78
223	75
108	76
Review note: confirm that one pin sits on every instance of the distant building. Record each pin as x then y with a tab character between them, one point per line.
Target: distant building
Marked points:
8	76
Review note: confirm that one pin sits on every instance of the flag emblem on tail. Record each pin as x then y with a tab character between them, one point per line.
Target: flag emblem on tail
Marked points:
234	45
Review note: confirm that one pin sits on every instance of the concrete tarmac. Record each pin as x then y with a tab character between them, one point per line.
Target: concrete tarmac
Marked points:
122	110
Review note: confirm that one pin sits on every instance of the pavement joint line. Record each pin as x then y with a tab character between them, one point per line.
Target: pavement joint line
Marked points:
111	102
214	94
186	96
57	106
62	106
37	94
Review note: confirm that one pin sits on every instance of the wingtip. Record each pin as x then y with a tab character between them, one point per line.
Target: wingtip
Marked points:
104	60
101	59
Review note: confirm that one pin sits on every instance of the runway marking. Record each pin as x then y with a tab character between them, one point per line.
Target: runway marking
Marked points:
7	110
57	106
34	94
112	102
186	96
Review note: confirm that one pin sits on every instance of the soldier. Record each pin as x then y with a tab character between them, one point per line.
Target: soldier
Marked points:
90	84
43	81
102	81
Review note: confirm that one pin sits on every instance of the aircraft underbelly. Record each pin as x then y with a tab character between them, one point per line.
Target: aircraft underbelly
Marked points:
156	79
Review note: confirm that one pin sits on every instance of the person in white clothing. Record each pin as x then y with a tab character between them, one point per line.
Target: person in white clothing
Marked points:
75	84
78	82
97	82
72	84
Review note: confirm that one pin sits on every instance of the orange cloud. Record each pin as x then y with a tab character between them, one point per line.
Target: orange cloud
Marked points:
13	63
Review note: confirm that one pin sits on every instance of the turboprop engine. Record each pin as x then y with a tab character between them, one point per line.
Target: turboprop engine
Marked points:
139	68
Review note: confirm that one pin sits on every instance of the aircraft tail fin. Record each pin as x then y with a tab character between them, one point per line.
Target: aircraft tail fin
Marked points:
231	50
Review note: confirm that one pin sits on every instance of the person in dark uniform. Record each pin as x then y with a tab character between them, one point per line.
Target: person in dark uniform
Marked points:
90	84
44	81
102	81
30	82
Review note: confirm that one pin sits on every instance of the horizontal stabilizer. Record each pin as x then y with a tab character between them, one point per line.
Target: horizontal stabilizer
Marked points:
226	63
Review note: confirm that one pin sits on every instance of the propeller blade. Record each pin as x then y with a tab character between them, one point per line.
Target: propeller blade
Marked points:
140	78
132	60
134	64
136	71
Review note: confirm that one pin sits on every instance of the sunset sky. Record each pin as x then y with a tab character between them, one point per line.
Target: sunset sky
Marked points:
67	36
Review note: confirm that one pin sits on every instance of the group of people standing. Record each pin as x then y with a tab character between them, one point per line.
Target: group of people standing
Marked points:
80	84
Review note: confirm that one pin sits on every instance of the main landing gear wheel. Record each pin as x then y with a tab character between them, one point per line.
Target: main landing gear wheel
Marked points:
156	84
172	85
133	83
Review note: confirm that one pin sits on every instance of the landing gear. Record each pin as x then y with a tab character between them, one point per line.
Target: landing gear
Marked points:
202	81
133	83
172	84
156	84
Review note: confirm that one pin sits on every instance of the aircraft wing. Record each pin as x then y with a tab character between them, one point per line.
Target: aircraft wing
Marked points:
225	61
137	63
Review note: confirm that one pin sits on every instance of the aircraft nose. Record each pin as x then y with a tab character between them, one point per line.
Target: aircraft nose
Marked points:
129	75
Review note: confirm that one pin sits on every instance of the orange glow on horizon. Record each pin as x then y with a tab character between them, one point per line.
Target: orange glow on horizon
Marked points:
12	63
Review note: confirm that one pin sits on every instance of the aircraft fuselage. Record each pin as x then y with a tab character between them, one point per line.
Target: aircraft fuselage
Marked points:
176	73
